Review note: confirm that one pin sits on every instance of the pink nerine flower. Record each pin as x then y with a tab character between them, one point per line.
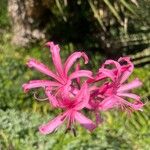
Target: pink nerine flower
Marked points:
112	93
61	80
71	114
66	91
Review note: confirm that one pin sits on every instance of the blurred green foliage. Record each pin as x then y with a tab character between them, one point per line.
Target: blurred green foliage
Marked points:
111	27
4	20
18	130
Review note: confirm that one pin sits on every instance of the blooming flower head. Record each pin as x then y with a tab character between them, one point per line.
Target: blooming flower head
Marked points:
66	91
113	93
72	107
61	80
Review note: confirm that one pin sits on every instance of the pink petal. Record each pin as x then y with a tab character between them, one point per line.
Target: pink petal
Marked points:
130	95
112	73
108	103
77	69
80	73
126	58
51	125
93	88
89	106
137	105
56	57
98	77
115	63
42	68
129	69
125	87
52	99
66	89
82	97
74	91
81	93
106	73
72	58
39	83
125	75
104	88
84	121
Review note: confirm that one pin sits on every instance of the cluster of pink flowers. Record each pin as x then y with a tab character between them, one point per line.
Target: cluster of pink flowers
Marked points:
76	90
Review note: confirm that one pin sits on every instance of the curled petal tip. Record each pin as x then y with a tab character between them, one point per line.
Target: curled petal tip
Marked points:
137	79
25	89
30	62
127	58
49	44
139	82
52	45
42	130
92	128
85	57
137	105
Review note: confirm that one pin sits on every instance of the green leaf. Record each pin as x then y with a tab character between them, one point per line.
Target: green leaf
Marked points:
113	10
